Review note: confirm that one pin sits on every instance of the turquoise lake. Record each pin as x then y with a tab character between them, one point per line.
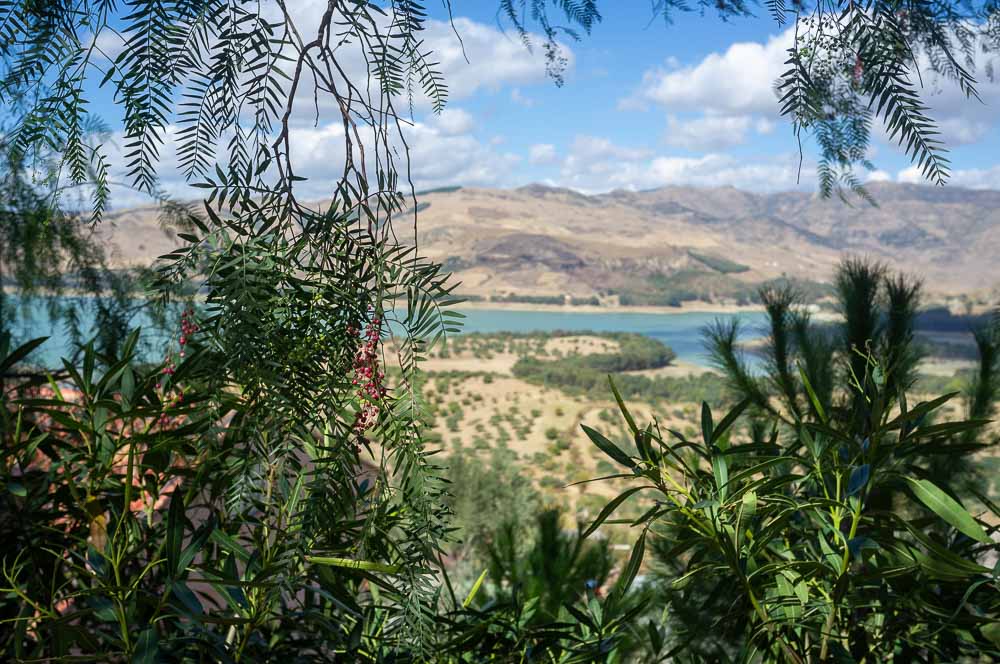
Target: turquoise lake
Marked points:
681	331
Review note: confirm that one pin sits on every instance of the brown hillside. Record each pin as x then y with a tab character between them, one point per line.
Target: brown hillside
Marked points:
539	240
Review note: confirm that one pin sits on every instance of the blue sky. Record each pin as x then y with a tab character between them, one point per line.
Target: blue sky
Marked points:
644	105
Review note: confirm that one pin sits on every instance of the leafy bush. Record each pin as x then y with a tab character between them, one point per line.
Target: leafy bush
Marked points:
789	535
485	493
552	598
130	529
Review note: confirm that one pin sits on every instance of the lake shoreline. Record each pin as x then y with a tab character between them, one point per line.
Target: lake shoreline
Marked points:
694	307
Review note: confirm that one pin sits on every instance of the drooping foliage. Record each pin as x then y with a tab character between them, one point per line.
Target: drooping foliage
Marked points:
52	266
314	514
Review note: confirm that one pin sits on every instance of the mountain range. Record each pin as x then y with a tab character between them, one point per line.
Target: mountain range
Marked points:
676	243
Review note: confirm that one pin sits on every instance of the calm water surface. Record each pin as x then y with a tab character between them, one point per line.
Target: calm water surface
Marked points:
681	331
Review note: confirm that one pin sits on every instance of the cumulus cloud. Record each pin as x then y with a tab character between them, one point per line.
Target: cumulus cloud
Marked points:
731	92
595	164
709	132
738	81
764	126
542	153
494	59
452	122
597	149
977	178
716	170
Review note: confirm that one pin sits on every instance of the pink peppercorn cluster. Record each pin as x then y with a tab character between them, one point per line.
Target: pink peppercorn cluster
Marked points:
368	376
176	396
188	328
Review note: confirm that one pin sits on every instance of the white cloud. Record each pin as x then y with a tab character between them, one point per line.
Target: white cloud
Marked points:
717	170
595	152
739	81
439	155
709	132
520	99
973	178
878	176
452	122
977	178
109	44
495	59
542	153
764	126
595	164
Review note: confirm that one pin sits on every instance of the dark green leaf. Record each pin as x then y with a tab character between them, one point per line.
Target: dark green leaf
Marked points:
608	447
632	568
947	508
175	531
20	353
623	408
147	647
723	427
706	424
858	479
609	509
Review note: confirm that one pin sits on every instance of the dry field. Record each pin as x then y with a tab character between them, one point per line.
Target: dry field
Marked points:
481	406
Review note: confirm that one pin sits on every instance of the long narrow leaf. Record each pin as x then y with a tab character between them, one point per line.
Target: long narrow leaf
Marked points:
947	508
608	447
